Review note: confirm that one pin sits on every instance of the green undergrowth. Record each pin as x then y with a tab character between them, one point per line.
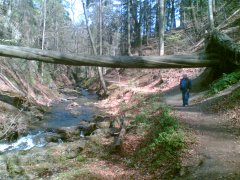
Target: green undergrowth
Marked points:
224	82
165	138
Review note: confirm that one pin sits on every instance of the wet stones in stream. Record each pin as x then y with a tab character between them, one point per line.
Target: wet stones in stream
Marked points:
70	92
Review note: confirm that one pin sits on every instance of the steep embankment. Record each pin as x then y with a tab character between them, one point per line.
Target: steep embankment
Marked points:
24	95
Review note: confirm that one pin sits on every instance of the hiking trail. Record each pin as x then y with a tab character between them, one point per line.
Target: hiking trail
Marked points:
216	153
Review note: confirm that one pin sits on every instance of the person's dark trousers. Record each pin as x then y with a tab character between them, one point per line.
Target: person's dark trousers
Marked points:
185	97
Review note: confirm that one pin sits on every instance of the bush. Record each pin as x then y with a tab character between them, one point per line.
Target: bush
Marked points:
224	82
164	144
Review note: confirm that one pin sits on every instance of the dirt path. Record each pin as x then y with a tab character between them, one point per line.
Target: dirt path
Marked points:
216	155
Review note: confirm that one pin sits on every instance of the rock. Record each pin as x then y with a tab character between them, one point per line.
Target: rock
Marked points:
101	137
51	144
104	124
69	133
106	132
63	100
99	119
72	105
75	112
52	137
74	149
87	127
70	92
71	98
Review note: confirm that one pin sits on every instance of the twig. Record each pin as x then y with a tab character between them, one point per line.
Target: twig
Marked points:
13	121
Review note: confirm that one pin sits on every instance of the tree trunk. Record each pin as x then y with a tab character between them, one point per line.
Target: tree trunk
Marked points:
161	27
173	61
100	70
173	20
95	52
194	17
128	31
210	12
40	65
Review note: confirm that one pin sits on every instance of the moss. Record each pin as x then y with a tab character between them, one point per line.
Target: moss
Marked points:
13	167
165	139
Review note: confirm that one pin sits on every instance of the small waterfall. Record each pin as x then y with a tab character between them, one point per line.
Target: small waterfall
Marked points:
81	134
25	143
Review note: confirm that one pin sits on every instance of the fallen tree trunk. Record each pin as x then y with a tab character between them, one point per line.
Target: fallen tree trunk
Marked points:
14	100
172	61
228	51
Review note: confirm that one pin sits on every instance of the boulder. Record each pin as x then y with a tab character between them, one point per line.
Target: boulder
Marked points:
69	133
101	137
106	132
73	149
104	124
87	127
52	137
74	112
72	106
70	92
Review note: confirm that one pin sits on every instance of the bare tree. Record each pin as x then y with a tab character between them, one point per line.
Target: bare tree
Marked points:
44	13
95	50
161	27
210	11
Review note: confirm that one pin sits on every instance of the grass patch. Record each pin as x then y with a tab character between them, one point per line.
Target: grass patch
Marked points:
224	82
165	138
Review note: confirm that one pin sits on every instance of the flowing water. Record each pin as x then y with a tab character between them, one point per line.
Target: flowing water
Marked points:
57	116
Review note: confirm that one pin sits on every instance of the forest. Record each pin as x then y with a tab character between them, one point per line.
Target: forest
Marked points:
89	89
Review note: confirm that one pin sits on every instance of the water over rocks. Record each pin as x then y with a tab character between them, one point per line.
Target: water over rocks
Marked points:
62	135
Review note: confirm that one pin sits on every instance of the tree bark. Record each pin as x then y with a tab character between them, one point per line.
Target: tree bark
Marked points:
228	51
100	70
194	17
161	27
128	31
210	12
173	19
40	65
172	61
95	52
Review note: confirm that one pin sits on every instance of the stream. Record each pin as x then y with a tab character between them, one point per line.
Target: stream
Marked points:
69	111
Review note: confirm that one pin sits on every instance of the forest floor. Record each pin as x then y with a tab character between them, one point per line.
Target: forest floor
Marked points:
213	126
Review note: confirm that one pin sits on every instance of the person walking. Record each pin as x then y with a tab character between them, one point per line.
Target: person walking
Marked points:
185	87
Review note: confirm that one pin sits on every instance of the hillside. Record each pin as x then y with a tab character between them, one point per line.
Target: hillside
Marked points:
56	122
139	102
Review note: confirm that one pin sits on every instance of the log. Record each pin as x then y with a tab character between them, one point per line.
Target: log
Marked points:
14	100
172	61
228	51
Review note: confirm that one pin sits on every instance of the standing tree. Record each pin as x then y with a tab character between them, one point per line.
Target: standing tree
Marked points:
210	12
128	30
94	50
44	16
161	27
